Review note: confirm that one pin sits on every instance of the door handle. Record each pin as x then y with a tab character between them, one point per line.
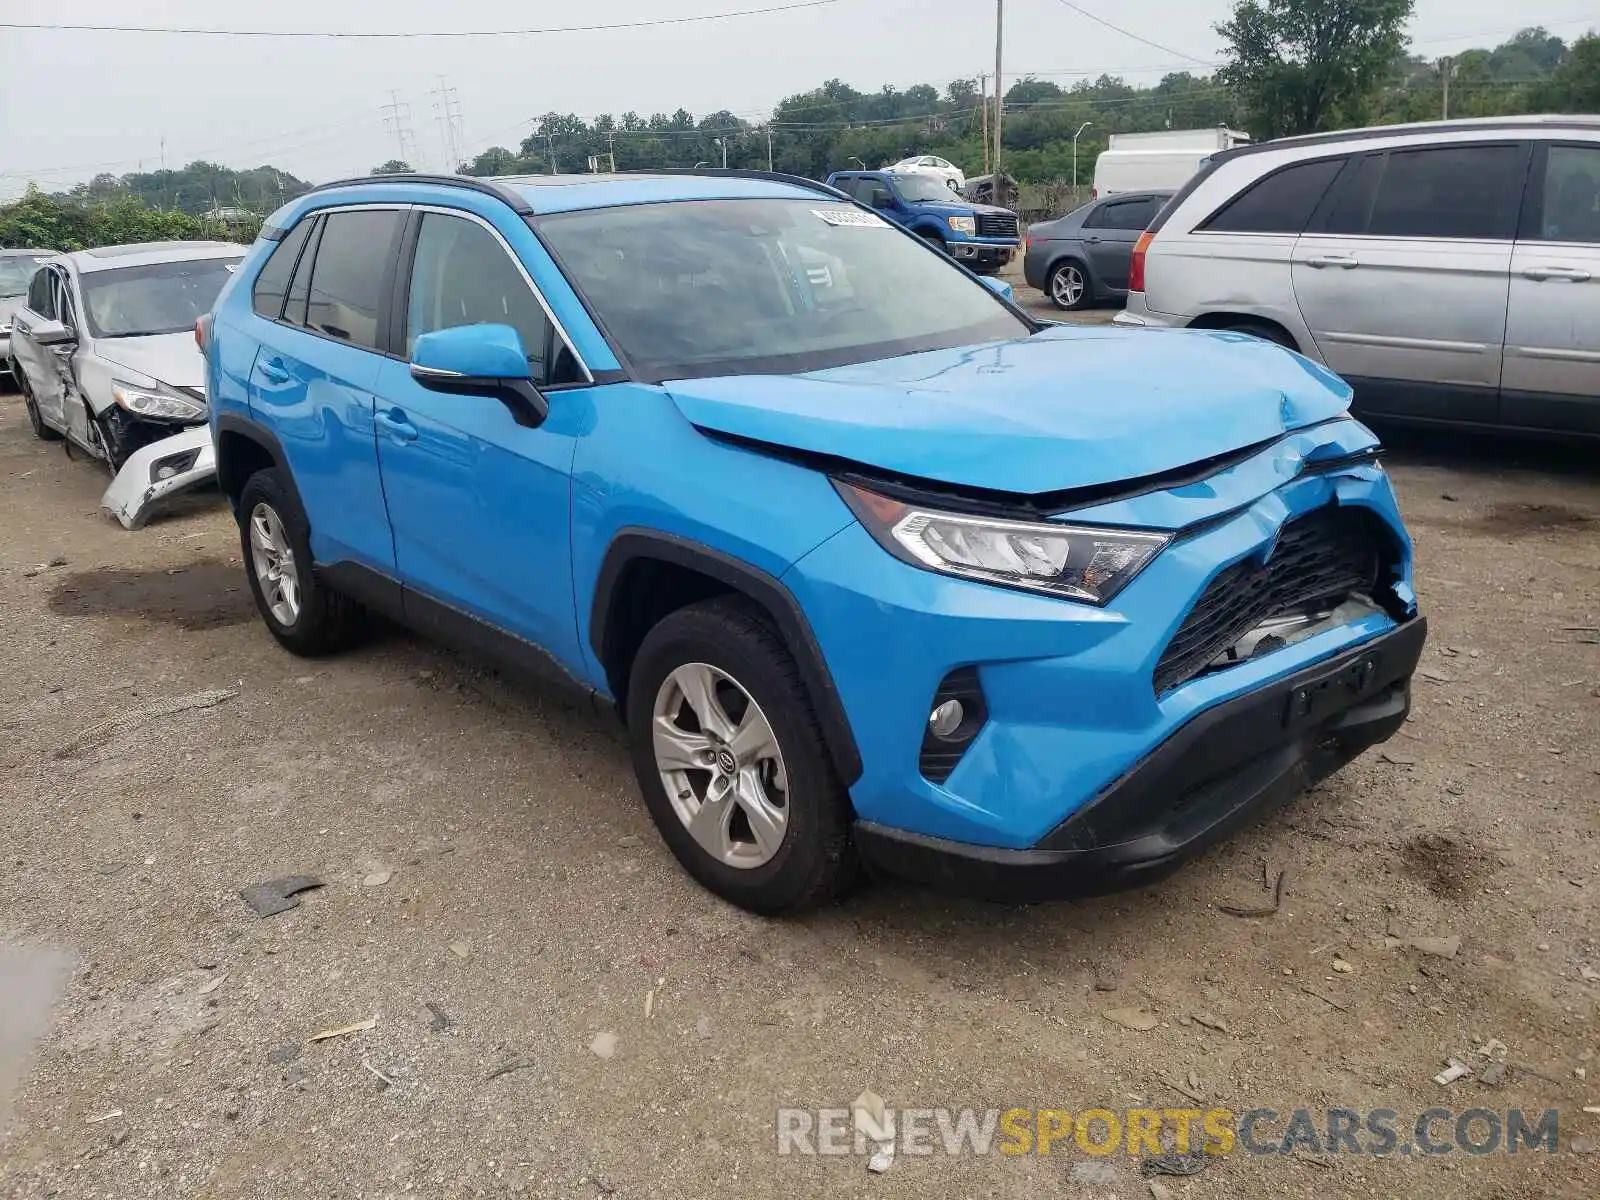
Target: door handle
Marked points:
273	371
1343	261
394	423
1093	240
1558	274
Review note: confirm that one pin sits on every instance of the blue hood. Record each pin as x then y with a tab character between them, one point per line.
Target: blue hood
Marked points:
1069	407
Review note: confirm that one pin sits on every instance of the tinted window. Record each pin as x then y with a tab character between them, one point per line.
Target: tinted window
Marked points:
1449	192
294	310
273	282
1281	203
41	295
1571	195
741	287
463	276
1352	206
164	297
1124	214
15	272
347	280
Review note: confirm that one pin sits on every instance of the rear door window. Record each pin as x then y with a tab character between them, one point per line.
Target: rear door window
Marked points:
1450	192
1123	214
353	256
272	285
1280	203
294	308
1570	211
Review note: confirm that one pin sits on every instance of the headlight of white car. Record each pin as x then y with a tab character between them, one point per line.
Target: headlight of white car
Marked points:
149	402
1075	562
967	225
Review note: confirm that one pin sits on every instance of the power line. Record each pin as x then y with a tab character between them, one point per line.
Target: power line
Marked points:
369	35
1081	11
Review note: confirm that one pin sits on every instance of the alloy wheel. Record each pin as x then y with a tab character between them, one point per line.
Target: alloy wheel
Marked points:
721	765
1066	287
273	560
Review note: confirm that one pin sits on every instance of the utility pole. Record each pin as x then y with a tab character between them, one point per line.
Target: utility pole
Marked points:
1446	69
769	147
551	139
983	117
611	149
447	109
999	94
397	116
1075	138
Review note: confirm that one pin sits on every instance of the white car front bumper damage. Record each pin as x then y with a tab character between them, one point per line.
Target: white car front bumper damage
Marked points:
158	472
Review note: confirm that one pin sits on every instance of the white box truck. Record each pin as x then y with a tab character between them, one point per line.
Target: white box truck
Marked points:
1161	161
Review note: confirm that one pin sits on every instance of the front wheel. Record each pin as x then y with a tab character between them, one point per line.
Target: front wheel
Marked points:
934	240
732	762
36	419
1068	286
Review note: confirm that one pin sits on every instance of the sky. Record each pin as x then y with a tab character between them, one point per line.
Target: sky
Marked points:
75	103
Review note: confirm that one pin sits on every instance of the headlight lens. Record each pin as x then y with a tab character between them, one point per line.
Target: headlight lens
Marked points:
1075	562
146	402
967	225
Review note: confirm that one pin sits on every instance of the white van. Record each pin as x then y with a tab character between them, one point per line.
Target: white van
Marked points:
1160	161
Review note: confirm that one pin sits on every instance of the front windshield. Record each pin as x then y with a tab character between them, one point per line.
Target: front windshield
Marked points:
164	297
918	189
15	271
742	287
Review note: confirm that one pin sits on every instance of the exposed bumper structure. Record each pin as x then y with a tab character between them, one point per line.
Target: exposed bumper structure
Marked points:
1225	766
159	472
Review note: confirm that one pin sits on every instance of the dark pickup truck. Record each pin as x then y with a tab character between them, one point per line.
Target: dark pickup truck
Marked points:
979	236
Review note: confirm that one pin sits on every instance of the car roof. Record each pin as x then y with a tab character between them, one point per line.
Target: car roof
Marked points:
1536	121
141	254
26	252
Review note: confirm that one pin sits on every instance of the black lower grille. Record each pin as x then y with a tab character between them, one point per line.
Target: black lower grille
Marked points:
997	225
940	755
1320	559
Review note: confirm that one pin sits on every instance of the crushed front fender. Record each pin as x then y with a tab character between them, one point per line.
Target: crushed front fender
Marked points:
155	474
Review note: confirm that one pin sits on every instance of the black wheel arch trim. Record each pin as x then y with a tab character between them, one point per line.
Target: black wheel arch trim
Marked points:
244	427
632	544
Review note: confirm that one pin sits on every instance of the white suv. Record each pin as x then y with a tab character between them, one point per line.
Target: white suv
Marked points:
1449	271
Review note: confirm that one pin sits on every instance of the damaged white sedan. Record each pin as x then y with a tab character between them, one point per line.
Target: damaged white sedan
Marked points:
105	353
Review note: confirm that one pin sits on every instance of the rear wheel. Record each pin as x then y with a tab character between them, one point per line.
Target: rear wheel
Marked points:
1068	286
306	616
732	763
1264	330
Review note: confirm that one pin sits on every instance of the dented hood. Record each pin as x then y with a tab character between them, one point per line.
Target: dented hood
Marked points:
1066	408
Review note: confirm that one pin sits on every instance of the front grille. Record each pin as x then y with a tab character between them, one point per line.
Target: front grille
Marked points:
997	225
1319	561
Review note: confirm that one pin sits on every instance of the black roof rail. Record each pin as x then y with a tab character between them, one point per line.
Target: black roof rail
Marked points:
488	187
1511	126
748	173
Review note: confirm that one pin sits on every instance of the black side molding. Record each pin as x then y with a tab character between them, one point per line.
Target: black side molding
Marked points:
632	544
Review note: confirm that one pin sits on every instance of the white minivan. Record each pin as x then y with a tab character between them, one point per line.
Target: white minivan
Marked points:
1449	271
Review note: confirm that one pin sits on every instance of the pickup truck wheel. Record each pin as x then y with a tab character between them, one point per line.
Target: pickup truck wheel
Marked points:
934	240
1068	286
731	760
304	615
40	430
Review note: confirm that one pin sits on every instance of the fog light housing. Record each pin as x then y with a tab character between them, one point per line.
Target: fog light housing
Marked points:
173	464
956	716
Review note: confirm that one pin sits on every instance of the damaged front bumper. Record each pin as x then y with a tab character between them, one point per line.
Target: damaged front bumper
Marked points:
155	474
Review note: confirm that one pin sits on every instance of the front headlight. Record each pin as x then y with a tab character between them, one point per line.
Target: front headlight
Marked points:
146	402
967	225
1075	562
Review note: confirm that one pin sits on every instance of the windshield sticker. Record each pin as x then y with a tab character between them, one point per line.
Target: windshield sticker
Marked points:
852	217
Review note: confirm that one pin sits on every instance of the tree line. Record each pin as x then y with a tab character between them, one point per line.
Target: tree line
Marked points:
1288	67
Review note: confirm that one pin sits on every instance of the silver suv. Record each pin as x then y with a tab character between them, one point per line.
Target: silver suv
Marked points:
1449	271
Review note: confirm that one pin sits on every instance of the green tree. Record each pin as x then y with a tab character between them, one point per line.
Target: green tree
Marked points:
394	166
1302	66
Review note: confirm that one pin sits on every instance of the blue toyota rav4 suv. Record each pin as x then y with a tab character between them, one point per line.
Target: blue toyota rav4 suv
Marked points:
877	570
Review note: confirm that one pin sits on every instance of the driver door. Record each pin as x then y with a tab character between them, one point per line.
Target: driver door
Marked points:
40	364
74	409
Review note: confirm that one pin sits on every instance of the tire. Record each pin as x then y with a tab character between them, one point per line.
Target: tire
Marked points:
315	621
40	430
1264	331
1068	286
934	240
729	642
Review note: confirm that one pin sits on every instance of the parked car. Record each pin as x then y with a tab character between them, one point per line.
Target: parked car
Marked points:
1083	258
105	353
16	269
981	188
981	236
1449	271
880	572
931	164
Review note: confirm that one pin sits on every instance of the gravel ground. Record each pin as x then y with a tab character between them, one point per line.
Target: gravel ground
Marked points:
496	900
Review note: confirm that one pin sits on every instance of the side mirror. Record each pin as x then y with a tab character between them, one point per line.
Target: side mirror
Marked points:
51	333
999	287
480	360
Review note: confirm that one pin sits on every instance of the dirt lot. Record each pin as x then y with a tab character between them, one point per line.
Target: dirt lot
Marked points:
496	898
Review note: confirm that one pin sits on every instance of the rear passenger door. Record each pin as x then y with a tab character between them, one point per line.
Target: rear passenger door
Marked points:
481	505
1403	277
1551	378
323	295
1109	233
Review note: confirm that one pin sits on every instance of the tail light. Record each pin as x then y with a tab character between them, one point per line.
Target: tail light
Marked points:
1136	265
202	332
